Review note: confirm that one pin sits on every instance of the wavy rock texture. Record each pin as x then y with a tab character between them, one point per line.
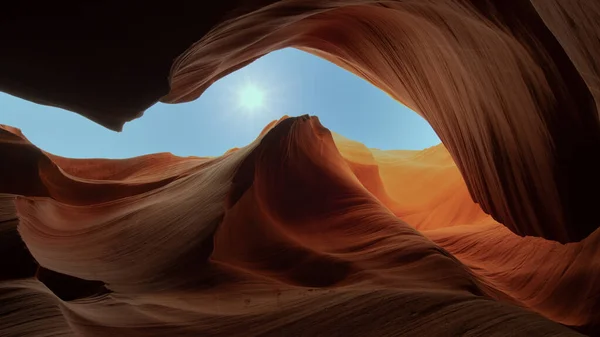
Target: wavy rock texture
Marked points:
510	87
300	233
304	232
491	79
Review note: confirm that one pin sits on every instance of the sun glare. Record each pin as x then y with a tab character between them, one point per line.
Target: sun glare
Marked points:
251	97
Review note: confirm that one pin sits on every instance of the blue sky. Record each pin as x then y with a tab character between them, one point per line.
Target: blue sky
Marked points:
292	83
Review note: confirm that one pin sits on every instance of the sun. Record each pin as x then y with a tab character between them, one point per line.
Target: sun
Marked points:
251	97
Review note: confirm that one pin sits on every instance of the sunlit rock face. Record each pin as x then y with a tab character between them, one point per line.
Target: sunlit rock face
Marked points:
304	232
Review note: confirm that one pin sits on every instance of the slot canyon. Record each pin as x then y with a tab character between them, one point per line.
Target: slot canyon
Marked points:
304	232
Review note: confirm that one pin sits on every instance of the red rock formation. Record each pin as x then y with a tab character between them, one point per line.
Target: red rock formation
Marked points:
238	245
491	80
509	86
160	245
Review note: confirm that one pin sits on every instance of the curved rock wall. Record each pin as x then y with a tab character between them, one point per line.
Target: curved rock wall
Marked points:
300	232
511	87
304	231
